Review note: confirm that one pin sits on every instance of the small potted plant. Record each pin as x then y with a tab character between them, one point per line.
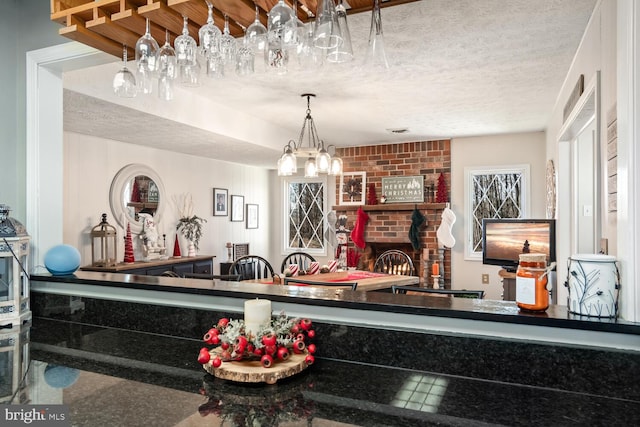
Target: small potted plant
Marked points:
190	225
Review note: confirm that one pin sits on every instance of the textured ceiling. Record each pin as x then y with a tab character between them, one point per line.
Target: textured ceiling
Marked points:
458	68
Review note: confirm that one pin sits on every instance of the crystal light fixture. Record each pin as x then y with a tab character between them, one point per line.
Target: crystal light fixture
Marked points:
309	145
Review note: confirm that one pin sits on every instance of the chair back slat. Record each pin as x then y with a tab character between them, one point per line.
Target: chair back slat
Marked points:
251	267
394	262
303	260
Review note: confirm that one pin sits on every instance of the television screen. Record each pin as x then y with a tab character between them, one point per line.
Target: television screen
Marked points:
503	240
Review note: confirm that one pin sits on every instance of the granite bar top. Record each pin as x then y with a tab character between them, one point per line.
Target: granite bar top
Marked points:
128	378
460	308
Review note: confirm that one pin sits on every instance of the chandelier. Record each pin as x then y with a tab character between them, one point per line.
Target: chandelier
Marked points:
309	145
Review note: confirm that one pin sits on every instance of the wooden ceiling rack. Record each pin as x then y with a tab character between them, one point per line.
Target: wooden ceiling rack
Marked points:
108	24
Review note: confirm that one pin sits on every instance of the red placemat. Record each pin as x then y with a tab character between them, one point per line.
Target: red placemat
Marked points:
358	276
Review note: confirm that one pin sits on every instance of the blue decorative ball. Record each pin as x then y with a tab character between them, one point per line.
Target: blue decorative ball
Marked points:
62	260
60	376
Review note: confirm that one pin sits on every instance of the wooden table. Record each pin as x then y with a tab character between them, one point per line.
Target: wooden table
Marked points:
366	280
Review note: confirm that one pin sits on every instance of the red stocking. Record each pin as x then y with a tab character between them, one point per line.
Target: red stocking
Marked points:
357	234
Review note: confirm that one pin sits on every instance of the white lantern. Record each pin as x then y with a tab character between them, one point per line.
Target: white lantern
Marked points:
14	281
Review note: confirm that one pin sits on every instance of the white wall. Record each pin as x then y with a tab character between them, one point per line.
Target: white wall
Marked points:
597	51
491	151
16	39
90	163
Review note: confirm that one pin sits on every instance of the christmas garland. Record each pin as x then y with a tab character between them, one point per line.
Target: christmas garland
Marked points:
271	343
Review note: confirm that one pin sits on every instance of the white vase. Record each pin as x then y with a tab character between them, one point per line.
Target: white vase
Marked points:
192	250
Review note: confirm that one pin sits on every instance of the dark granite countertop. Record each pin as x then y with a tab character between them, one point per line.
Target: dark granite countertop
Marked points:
460	308
130	378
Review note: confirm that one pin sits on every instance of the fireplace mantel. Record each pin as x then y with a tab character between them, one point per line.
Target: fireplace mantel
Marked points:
389	207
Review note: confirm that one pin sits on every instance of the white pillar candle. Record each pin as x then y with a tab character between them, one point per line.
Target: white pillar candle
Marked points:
257	313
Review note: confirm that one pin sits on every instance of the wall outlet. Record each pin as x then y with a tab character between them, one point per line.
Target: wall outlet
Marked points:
485	279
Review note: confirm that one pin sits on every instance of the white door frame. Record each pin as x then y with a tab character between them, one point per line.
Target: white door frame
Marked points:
44	137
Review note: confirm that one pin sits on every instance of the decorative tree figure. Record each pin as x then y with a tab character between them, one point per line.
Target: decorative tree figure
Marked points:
176	249
441	196
135	193
128	247
372	197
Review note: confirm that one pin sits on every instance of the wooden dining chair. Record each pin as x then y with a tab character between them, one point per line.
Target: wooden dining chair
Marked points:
303	260
394	262
458	293
294	280
251	267
169	273
227	277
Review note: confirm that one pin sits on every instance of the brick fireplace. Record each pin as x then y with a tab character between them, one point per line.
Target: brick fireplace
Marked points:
389	224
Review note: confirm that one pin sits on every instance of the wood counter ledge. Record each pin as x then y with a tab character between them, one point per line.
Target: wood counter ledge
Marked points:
148	264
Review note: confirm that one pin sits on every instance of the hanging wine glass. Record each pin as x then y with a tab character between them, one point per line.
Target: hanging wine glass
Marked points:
376	56
167	60
256	35
301	51
165	87
245	58
228	47
186	55
301	28
281	29
215	66
309	57
326	32
209	36
185	46
189	74
147	50
167	70
146	55
124	82
343	52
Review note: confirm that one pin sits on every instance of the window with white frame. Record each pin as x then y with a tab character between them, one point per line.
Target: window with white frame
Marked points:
496	192
305	205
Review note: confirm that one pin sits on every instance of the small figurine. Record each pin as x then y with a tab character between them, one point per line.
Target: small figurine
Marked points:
151	244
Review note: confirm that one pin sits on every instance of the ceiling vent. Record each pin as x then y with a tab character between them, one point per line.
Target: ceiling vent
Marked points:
398	130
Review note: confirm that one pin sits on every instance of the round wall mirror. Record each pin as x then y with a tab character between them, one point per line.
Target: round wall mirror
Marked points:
136	189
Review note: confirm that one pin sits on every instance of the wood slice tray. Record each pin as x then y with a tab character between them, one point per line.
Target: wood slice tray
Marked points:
252	371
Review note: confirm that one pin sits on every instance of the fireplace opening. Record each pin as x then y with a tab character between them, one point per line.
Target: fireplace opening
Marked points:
373	250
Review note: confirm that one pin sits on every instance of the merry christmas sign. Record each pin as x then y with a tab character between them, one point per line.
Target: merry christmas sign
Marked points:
403	189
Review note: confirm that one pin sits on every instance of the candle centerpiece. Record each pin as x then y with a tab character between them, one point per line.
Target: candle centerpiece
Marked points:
257	315
435	274
260	348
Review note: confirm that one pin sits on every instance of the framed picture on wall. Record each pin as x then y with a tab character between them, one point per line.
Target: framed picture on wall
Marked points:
237	208
252	215
352	188
240	250
220	202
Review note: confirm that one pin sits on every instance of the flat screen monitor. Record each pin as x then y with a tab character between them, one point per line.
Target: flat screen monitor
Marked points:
503	240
